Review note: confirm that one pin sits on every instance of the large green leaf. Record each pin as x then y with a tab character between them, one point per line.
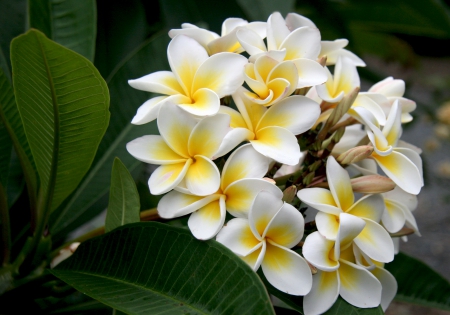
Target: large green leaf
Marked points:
153	268
71	23
418	283
123	206
63	102
259	10
88	200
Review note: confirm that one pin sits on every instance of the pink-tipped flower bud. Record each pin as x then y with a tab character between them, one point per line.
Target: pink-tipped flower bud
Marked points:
372	184
289	194
355	154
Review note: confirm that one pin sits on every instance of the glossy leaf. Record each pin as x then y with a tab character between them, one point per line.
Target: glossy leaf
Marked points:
123	206
71	23
89	198
342	307
418	283
63	102
259	10
153	268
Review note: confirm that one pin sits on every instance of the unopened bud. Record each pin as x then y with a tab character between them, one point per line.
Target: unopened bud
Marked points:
338	134
289	194
64	254
342	108
270	180
308	179
355	154
403	232
372	184
323	61
313	167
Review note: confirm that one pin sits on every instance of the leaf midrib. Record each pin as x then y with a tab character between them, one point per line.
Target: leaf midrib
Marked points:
134	285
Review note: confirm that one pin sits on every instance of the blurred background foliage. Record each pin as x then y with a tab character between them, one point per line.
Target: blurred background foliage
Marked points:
409	40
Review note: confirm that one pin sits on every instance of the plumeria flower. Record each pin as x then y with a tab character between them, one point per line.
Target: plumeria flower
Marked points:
241	181
184	150
227	42
393	90
196	82
265	239
270	80
343	82
398	212
373	240
338	272
302	46
270	131
401	164
333	50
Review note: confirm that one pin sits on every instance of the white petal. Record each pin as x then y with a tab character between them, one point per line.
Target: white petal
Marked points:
286	228
296	114
346	76
316	250
393	128
286	270
294	21
255	258
369	104
277	143
333	57
328	46
339	182
320	199
176	204
241	194
310	73
154	150
205	102
375	242
238	237
202	177
327	224
389	286
277	31
304	42
232	139
222	73
230	24
368	207
202	36
166	177
323	294
163	82
401	196
263	209
185	56
358	286
393	218
389	87
349	228
148	111
250	41
207	221
245	162
413	156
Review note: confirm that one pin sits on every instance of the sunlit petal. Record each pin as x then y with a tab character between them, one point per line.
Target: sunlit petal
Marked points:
163	82
207	221
166	177
389	286
294	21
203	177
255	258
316	250
310	73
205	102
346	76
263	209
304	42
375	242
250	41
323	294
277	143
414	157
327	224
148	111
232	139
368	103
199	34
340	186
368	207
277	31
334	56
286	270
153	149
286	228
320	199
393	218
286	70
237	121
280	88
358	286
238	237
349	227
393	128
176	204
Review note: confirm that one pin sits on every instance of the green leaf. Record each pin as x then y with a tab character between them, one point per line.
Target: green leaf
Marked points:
71	23
260	10
418	283
88	200
63	102
163	269
342	307
123	207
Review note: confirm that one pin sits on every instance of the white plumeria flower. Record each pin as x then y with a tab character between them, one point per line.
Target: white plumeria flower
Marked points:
184	150
374	241
270	131
333	50
270	80
338	272
302	46
398	212
394	90
264	240
241	181
227	42
401	164
196	82
343	82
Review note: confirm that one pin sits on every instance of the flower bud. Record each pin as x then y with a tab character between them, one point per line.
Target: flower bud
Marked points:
372	184
270	180
342	108
289	194
355	154
64	254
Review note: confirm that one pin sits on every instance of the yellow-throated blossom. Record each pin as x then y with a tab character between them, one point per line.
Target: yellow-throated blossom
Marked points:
338	272
227	41
184	150
374	239
196	82
265	239
241	181
271	131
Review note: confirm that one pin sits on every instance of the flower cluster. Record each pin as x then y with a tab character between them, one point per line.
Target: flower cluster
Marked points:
260	137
